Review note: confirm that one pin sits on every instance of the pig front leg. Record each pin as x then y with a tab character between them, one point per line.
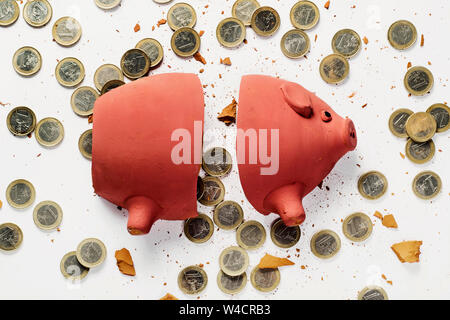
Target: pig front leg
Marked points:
287	202
142	213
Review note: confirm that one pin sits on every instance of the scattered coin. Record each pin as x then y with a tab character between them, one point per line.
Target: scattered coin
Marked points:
265	280
69	72
304	15
27	61
9	12
192	280
66	31
421	126
91	252
441	113
37	13
265	21
49	132
199	229
185	42
47	215
228	215
200	188
229	284
420	152
106	73
233	261
346	42
83	100
214	192
397	122
418	81
135	64
243	10
217	162
230	32
357	227
427	185
71	268
372	293
402	34
334	68
21	121
153	49
20	194
295	44
325	244
372	185
181	15
107	4
10	236
251	235
284	236
85	144
110	85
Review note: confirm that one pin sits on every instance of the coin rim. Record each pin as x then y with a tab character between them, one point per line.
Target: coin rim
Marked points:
38	25
14	18
14	226
203	187
366	289
212	173
49	144
391	122
406	46
347	69
265	33
443	106
70	84
137	75
349	236
58	220
276	242
239	231
73	105
107	7
91	265
314	237
382	176
225	290
312	24
84	153
430	136
301	54
234	15
32	127
422	92
160	50
26	204
244	266
221	197
333	45
216	215
235	43
103	66
185	54
208	236
103	91
27	73
417	178
410	157
273	287
181	4
59	40
205	277
65	274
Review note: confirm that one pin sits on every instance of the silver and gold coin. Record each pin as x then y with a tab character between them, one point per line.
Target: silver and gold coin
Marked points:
420	152
107	4
334	68
372	185
153	49
265	280
9	12
66	31
243	10
106	73
295	44
83	100
27	61
346	42
37	13
427	185
284	236
229	284
69	72
357	227
397	122
11	236
421	126
325	244
47	215
91	253
265	21
441	114
135	64
217	162
251	235
185	42
373	293
71	268
214	192
199	229
234	261
20	194
49	132
200	188
21	121
402	34
85	144
110	85
192	280
418	81
230	32
228	215
304	15
181	15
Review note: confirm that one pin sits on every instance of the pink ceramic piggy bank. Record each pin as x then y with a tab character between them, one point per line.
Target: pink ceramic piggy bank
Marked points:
299	131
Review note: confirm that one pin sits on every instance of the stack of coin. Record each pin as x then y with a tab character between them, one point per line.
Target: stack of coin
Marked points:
185	41
232	277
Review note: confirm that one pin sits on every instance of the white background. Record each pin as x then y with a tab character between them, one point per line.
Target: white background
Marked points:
376	76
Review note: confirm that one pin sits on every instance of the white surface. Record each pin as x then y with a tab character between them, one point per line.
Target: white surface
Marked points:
63	175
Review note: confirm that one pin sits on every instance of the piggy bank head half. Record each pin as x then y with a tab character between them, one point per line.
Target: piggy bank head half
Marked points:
288	141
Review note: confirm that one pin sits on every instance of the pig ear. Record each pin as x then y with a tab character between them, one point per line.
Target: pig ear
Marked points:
297	98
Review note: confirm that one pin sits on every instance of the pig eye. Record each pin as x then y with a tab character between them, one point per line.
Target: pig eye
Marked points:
326	116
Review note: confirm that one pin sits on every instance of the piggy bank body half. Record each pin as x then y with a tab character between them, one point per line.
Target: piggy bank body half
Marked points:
288	141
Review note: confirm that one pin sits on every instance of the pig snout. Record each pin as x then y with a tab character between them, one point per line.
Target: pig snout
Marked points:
349	135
